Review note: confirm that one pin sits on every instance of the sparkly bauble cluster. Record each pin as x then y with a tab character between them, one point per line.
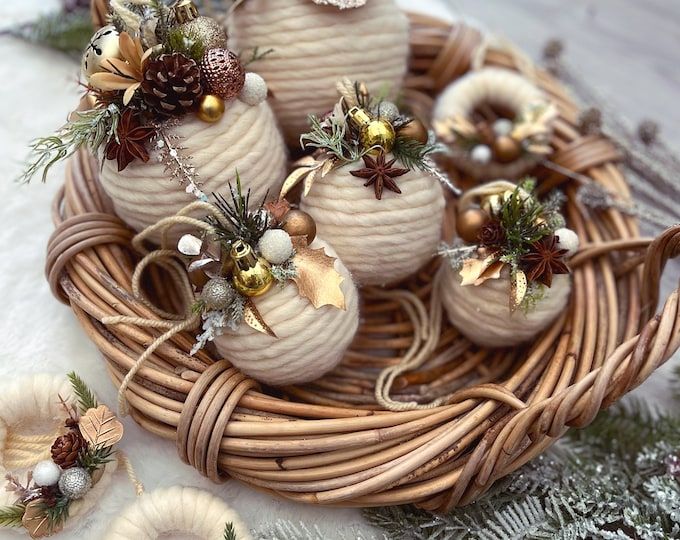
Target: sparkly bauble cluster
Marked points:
497	143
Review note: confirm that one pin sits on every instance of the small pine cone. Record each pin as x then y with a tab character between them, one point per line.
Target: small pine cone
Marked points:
492	234
172	84
67	448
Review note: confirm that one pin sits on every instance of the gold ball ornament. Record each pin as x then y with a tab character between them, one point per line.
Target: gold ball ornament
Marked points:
299	223
210	33
103	46
415	130
210	108
506	149
252	274
223	73
373	132
469	222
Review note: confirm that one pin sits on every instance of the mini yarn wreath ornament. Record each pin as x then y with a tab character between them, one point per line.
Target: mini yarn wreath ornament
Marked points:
510	278
496	123
246	264
82	456
365	140
320	42
167	104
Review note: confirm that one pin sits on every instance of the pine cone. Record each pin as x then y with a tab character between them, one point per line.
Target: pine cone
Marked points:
67	448
492	234
172	84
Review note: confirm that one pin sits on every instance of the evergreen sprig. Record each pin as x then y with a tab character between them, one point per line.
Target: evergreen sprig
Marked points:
331	137
58	513
412	153
229	531
10	516
256	55
95	457
86	399
68	32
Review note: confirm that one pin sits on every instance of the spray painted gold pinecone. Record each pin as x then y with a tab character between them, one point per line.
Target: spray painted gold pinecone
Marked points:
67	448
172	84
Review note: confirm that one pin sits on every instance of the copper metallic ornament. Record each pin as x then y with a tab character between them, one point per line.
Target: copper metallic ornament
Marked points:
210	108
223	73
416	130
205	29
252	274
469	223
299	223
506	149
376	133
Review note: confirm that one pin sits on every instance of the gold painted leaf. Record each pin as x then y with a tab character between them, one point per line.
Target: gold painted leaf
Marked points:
477	271
36	522
309	180
295	178
518	289
316	277
100	427
254	319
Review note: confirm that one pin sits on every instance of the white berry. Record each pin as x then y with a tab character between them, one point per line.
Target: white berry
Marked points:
567	239
276	246
481	153
254	90
502	127
46	473
75	483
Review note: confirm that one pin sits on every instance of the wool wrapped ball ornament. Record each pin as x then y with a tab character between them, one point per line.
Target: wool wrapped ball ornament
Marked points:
314	46
309	341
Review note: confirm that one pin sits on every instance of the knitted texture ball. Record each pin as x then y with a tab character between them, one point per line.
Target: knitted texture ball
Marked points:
276	246
380	241
309	341
481	313
254	89
316	46
246	139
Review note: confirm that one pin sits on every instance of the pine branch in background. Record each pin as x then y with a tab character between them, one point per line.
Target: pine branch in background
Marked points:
10	516
86	399
229	531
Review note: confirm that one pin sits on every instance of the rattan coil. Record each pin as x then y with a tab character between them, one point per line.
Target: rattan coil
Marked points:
328	442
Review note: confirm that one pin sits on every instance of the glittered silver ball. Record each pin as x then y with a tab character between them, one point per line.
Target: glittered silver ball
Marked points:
218	294
103	45
46	473
254	90
75	483
387	111
276	246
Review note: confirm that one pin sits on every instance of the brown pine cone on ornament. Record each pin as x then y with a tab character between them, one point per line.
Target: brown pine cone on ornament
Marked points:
172	84
67	448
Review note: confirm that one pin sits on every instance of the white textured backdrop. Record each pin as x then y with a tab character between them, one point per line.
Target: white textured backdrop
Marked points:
628	50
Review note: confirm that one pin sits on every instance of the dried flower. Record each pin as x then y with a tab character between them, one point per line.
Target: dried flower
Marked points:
544	260
380	174
130	141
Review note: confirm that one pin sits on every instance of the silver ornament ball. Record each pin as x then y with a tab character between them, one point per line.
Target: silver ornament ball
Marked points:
276	246
75	483
218	294
481	154
387	111
46	473
103	45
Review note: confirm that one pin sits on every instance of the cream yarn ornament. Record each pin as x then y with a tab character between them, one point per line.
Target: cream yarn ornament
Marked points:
380	241
185	511
482	314
314	46
246	139
309	342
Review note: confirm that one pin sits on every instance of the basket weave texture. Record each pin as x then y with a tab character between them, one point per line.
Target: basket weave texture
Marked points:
328	442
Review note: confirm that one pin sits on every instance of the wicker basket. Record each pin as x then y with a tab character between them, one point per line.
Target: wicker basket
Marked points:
328	442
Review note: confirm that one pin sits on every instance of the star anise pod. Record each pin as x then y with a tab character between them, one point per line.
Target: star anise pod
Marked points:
492	234
379	174
131	141
544	260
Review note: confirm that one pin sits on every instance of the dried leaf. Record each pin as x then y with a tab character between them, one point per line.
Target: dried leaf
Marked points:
477	271
253	318
190	245
277	209
309	180
316	277
327	167
36	521
100	427
296	177
518	289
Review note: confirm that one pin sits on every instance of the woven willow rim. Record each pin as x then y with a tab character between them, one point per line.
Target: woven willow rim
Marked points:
327	442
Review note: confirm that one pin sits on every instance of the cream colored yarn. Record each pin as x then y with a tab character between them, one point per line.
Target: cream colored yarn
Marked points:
315	46
31	407
380	241
309	342
482	314
245	139
176	510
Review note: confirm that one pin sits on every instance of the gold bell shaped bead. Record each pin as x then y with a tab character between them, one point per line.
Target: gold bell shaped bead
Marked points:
252	274
375	133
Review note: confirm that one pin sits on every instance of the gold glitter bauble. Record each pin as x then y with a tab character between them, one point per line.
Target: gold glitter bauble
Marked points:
103	46
373	132
222	72
469	222
415	130
210	108
252	274
299	223
506	149
210	33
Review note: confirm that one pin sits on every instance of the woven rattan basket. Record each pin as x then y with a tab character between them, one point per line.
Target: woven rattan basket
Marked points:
328	442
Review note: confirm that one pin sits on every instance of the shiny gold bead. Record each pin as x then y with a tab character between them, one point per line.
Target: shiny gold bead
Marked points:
415	130
210	108
506	149
252	274
299	223
469	222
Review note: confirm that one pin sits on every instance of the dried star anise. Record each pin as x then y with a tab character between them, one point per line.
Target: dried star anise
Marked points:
379	174
492	234
544	260
131	141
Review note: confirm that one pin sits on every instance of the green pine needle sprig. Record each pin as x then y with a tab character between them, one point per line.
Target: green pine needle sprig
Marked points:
95	458
412	154
10	516
229	531
332	139
86	399
58	513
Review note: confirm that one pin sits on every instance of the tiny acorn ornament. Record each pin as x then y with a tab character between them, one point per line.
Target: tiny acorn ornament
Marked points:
320	41
507	279
376	195
171	111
